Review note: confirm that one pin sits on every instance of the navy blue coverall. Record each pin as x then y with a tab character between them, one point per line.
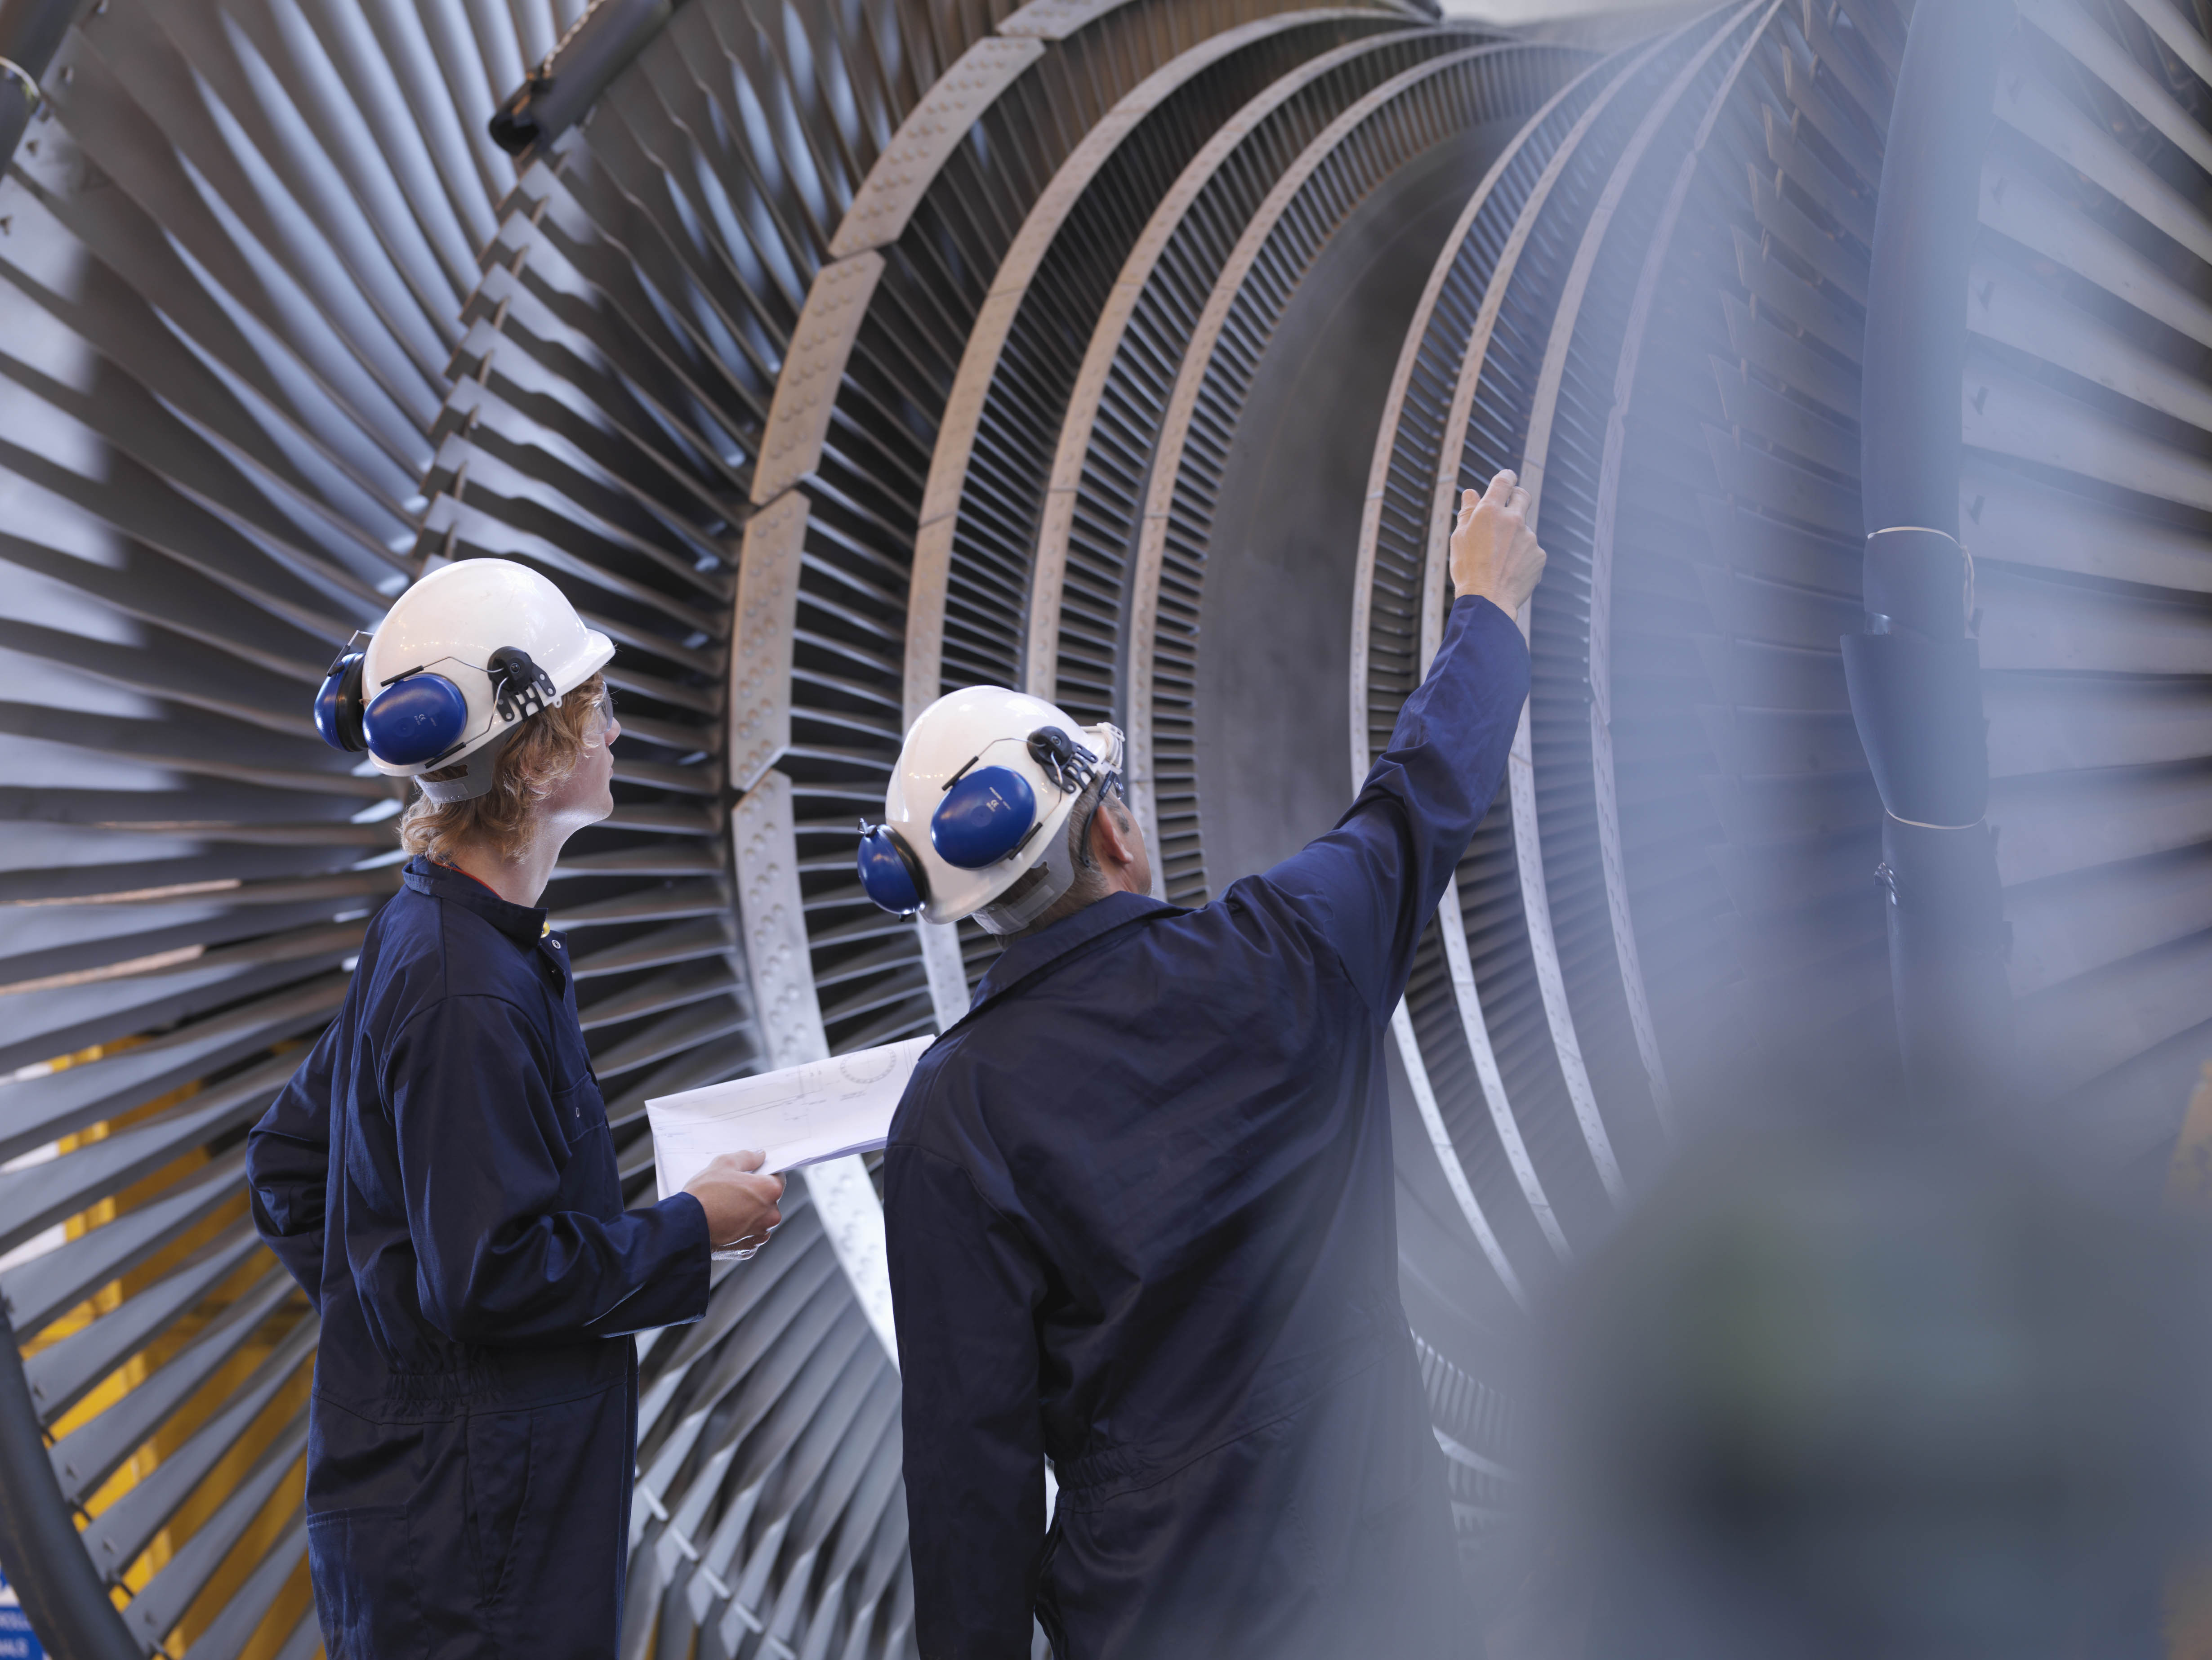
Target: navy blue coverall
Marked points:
439	1175
1142	1220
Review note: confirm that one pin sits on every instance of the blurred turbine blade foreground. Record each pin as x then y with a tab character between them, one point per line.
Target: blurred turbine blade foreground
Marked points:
1129	351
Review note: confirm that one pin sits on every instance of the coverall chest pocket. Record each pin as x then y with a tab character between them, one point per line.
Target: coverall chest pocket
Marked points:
576	1099
581	1112
590	1182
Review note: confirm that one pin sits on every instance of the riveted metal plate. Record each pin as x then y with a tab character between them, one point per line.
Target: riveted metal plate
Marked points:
766	611
925	618
926	140
771	911
948	975
853	1218
799	421
763	845
1055	20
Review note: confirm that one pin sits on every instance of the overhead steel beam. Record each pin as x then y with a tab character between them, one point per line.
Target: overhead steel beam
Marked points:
565	86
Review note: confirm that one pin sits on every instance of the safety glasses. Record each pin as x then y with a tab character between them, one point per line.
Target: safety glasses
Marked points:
603	718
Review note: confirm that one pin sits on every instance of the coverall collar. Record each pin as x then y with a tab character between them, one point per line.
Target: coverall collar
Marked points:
524	924
1038	952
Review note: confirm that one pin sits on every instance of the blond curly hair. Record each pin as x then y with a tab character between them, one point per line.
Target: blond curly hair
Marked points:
545	751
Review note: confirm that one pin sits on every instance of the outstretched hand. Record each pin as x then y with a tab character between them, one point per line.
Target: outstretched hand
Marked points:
741	1204
1493	551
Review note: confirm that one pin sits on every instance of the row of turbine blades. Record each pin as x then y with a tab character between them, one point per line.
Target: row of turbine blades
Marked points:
847	354
1664	331
248	242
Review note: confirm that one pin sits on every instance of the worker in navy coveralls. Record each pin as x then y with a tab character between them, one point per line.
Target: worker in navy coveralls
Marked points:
1141	1218
439	1176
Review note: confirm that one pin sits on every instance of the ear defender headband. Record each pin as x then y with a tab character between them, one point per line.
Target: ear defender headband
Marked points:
988	814
418	717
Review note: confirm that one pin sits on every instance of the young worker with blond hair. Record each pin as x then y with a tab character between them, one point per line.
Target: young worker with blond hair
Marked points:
439	1175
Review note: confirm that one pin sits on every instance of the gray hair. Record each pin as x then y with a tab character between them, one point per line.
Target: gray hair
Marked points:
1090	884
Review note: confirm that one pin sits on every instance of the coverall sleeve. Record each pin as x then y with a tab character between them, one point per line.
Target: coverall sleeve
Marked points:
966	1287
482	1147
1370	885
288	1166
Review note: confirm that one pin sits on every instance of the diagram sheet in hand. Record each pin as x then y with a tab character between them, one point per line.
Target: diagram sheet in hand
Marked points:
803	1115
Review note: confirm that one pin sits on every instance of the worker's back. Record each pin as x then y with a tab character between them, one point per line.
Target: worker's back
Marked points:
1209	1214
1141	1210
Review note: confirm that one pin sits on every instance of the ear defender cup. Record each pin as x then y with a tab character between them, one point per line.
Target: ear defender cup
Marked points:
416	720
337	704
889	872
985	815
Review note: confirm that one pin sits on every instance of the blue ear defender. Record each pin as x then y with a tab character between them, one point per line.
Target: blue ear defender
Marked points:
987	814
890	874
990	812
337	704
417	719
420	716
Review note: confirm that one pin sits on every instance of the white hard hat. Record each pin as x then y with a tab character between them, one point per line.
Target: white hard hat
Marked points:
462	658
975	818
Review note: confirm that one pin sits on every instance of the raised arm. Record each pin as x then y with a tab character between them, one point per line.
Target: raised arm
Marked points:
1371	884
481	1145
967	1287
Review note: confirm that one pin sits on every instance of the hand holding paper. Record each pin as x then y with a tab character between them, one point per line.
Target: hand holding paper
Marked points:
800	1116
741	1204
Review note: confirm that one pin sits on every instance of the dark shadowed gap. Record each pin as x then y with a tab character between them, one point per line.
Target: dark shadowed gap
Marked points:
1275	640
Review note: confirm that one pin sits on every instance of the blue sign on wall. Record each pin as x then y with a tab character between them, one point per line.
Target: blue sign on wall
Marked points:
17	1641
